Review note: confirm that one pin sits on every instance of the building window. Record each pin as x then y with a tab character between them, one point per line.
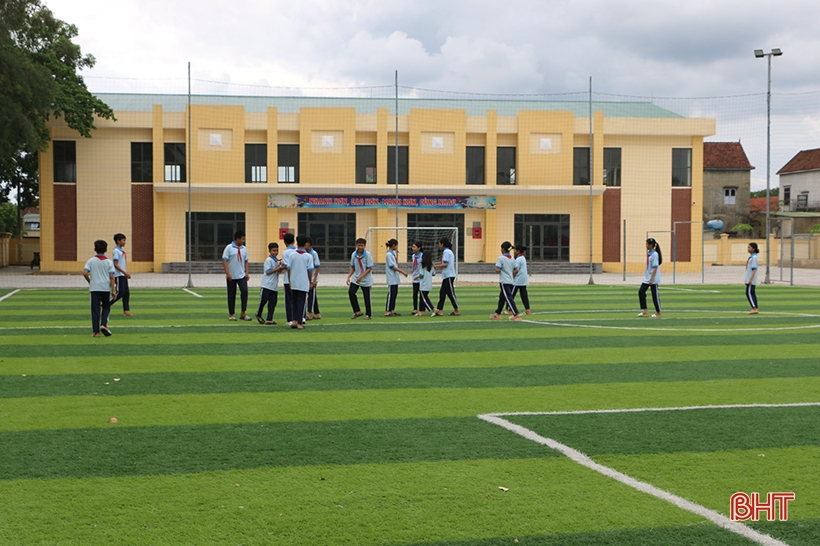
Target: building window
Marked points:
787	195
475	165
612	166
288	163
682	167
175	162
365	164
803	201
256	163
505	165
580	166
142	162
729	196
65	161
403	165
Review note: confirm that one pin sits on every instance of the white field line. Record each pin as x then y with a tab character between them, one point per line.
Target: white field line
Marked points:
672	329
192	292
582	459
10	294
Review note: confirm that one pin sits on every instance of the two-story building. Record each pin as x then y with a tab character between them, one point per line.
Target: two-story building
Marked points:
518	170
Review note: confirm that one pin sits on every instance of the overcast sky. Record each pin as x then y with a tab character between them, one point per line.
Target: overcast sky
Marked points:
647	48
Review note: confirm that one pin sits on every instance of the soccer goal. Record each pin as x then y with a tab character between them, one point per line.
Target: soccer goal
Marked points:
406	236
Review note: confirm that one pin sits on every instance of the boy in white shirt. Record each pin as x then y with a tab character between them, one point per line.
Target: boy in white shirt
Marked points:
99	273
269	293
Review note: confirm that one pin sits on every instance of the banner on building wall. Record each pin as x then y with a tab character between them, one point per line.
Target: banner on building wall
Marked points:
376	202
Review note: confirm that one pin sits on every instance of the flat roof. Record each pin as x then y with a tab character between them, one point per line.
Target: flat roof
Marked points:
478	107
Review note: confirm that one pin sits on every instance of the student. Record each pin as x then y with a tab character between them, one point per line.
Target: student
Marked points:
313	301
415	274
652	278
448	278
99	273
392	271
752	277
426	273
361	268
300	265
290	246
269	293
505	267
522	279
235	262
121	276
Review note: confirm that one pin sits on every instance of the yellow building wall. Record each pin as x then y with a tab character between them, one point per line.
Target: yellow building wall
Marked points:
545	142
437	154
327	145
217	144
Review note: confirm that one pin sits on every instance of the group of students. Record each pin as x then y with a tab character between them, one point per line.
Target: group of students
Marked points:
513	278
652	278
107	283
423	269
299	266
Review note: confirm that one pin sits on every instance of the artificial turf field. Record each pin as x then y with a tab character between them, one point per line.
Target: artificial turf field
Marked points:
354	432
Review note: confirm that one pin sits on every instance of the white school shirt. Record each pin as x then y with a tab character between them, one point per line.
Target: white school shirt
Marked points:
286	261
751	265
300	263
390	264
652	260
271	282
236	257
316	262
505	265
119	259
522	278
416	267
447	257
427	279
360	264
99	268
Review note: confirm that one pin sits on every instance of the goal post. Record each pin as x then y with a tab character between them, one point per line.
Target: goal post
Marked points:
429	237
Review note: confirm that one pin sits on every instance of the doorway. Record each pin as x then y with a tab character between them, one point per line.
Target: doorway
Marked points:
545	235
212	232
333	234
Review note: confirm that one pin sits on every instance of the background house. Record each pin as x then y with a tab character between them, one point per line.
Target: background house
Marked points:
726	183
800	188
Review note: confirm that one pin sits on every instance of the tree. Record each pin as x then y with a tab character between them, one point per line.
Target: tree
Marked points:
38	80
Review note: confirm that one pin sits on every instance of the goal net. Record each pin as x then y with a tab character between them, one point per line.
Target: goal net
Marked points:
429	237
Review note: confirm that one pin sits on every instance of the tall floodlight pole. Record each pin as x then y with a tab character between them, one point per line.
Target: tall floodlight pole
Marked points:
776	52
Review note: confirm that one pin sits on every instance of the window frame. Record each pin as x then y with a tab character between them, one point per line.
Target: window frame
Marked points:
404	165
142	162
681	167
64	155
365	155
506	177
612	167
174	157
475	165
287	159
256	163
580	166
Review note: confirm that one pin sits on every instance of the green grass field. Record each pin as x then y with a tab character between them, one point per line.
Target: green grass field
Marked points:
366	433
